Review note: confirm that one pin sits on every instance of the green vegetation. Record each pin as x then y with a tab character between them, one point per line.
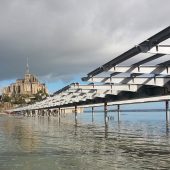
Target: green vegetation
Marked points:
6	98
24	99
40	95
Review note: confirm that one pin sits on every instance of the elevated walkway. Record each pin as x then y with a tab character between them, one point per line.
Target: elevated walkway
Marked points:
115	83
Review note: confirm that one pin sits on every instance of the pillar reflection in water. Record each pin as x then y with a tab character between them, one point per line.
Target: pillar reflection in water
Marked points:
106	119
106	124
118	113
167	116
92	114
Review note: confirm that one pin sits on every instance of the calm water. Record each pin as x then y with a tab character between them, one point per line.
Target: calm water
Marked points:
138	141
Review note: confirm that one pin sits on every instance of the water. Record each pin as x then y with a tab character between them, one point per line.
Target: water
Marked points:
138	141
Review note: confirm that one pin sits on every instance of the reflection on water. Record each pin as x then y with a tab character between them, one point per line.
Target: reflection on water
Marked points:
28	143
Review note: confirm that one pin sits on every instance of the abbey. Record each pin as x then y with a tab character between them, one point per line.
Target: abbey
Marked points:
29	85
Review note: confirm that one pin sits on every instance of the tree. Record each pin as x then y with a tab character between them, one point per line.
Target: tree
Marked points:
40	95
6	98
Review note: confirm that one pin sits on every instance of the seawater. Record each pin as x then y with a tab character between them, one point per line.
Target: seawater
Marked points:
137	141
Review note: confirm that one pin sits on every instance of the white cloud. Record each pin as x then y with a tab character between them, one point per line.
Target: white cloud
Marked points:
63	38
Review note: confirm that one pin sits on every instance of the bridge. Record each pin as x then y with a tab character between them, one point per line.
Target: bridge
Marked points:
141	74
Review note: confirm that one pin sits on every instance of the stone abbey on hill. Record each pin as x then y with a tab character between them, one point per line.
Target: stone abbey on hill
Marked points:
29	85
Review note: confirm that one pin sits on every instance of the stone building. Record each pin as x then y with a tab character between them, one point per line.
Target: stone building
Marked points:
29	85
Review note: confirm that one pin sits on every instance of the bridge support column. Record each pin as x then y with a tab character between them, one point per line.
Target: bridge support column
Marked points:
25	113
167	110
30	113
105	113
106	119
49	112
118	112
54	112
40	112
43	113
33	113
105	107
46	112
36	112
92	114
59	112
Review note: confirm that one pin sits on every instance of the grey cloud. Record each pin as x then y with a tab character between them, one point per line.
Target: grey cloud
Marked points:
63	38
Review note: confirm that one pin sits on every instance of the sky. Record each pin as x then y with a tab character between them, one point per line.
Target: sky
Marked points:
67	39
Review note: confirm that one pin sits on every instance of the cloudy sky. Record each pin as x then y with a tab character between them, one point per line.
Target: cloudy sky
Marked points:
66	39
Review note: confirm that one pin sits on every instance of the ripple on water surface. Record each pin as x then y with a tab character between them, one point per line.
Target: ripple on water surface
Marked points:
28	143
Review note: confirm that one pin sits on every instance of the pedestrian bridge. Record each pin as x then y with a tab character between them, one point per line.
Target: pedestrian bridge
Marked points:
141	74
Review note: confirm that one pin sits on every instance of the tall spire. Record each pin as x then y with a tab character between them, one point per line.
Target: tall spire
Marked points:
27	67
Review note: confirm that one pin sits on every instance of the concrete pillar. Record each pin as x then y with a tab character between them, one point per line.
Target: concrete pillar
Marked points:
55	112
167	110
46	112
106	119
26	113
52	112
105	112
105	107
118	112
92	114
42	112
49	112
59	112
36	112
31	113
39	112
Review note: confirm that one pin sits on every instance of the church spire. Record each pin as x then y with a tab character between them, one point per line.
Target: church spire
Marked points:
27	67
